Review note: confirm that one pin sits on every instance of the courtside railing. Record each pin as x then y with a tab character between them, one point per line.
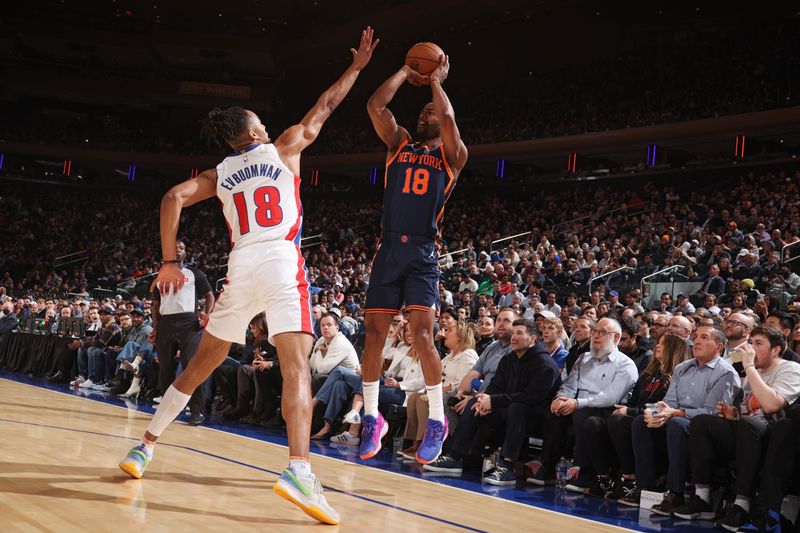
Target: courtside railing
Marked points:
786	247
492	247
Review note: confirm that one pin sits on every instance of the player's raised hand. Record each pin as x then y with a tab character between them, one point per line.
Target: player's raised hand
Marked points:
365	48
169	278
440	74
415	78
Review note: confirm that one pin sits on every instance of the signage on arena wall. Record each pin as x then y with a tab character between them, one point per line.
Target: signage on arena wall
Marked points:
197	88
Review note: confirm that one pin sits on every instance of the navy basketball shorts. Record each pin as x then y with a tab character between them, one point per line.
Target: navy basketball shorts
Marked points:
405	275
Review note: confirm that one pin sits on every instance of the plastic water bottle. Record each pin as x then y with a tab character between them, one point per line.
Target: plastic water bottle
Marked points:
561	473
397	445
476	384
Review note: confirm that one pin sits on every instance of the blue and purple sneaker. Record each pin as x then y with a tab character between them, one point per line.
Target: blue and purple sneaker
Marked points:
431	447
373	429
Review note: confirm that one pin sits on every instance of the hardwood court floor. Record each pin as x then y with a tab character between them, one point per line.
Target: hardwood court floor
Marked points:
58	472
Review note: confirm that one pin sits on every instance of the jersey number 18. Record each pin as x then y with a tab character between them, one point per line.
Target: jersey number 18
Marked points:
268	211
418	183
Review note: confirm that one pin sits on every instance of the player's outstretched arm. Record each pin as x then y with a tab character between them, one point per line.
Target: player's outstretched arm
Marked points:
187	193
454	147
295	139
382	119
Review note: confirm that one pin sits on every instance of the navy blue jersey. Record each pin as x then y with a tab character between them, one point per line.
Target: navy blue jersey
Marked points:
417	185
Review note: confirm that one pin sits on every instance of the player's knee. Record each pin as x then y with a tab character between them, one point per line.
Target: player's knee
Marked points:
293	369
422	336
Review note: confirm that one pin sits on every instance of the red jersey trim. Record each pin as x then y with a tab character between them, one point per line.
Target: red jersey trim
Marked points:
296	227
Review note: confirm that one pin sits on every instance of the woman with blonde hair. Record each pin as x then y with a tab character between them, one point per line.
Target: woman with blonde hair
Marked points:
460	342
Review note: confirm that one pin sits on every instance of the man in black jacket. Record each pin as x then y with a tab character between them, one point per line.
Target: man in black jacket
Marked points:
522	389
8	320
629	343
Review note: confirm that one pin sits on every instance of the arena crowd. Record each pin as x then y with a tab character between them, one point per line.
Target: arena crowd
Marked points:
535	340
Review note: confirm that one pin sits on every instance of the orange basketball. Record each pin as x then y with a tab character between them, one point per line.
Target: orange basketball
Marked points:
424	57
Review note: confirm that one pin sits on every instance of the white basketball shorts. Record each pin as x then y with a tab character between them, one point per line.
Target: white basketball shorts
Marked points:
268	277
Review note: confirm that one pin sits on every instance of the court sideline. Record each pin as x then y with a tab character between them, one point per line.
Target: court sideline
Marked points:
58	472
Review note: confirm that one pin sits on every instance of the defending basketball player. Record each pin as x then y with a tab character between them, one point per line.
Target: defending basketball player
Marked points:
259	187
421	172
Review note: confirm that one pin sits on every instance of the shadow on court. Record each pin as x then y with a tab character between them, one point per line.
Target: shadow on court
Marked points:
115	475
119	490
73	412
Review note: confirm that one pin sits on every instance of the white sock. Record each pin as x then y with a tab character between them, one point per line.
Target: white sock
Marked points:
172	404
743	502
703	492
435	402
149	446
371	389
300	466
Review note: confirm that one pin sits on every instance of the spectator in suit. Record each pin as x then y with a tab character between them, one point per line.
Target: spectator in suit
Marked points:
747	267
8	322
712	283
316	313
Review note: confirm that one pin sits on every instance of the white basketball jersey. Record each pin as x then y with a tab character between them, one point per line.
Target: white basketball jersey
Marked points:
260	197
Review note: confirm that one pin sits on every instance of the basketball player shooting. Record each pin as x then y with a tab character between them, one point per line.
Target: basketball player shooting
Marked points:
259	187
421	172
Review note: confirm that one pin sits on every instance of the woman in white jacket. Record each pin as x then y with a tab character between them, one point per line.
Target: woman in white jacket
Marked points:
460	343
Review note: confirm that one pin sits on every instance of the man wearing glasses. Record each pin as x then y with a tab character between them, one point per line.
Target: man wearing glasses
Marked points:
600	379
737	328
659	327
